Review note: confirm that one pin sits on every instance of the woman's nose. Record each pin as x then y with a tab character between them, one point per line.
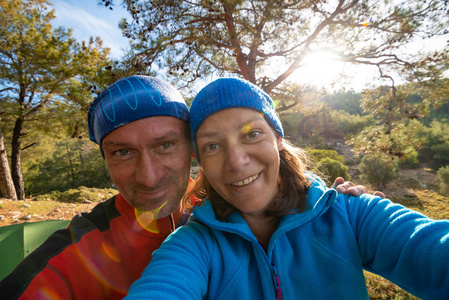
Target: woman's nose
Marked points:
237	158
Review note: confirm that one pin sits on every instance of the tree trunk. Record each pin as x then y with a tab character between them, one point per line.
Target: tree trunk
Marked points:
72	172
16	159
6	183
82	169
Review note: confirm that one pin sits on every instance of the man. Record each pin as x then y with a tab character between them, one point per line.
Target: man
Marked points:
139	123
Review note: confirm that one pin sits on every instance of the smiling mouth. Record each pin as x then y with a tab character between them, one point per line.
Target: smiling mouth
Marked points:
245	181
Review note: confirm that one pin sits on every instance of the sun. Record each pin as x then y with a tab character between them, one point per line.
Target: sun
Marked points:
321	69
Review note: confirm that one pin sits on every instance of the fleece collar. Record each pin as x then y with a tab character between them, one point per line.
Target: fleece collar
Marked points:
319	198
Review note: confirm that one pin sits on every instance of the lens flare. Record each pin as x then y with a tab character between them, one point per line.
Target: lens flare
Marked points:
148	219
367	22
111	252
247	127
97	263
48	294
108	258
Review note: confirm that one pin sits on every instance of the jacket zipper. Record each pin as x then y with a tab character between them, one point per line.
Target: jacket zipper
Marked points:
277	283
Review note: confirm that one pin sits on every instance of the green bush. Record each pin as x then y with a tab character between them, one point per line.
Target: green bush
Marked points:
78	195
411	160
320	154
377	170
331	169
443	175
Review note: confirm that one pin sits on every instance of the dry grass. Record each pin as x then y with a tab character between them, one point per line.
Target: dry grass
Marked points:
52	206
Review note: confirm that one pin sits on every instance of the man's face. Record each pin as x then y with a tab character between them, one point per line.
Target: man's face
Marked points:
149	161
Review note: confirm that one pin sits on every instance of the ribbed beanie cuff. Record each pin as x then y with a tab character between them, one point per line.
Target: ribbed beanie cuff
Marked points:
131	99
229	93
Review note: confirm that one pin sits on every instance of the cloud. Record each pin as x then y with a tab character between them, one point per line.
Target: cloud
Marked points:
88	19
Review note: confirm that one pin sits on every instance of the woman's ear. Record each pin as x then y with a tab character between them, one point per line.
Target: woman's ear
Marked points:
280	143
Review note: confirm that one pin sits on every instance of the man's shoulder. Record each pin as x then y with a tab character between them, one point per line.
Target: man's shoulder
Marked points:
99	217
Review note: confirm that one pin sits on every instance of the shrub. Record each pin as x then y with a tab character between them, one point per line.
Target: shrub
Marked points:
377	170
443	175
320	154
78	195
411	160
331	169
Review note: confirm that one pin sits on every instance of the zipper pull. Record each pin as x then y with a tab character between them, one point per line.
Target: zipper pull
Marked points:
277	284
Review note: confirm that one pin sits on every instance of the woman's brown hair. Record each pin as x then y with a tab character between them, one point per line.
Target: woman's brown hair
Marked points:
293	185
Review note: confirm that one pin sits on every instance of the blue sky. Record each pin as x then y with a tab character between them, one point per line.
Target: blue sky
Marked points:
87	18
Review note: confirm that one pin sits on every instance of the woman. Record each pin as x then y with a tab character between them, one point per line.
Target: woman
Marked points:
270	230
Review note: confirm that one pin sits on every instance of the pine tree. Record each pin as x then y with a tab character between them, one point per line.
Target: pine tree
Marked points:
38	65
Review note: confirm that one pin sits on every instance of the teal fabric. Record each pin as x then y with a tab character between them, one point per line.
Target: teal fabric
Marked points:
317	254
131	99
19	240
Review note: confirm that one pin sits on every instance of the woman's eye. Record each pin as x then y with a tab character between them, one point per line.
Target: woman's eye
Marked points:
253	134
211	147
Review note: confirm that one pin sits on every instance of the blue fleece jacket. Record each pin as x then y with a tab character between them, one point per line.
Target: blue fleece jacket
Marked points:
317	254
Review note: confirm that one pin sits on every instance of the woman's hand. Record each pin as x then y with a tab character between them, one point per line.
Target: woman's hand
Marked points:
347	187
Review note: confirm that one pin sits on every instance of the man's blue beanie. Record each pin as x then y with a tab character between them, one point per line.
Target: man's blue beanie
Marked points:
131	99
228	93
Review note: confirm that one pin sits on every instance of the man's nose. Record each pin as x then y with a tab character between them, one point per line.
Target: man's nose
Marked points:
149	170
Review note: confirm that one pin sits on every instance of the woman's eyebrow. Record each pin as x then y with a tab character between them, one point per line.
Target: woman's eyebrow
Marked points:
212	134
208	134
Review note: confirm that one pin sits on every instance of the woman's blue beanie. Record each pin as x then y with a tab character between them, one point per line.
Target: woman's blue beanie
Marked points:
131	99
228	93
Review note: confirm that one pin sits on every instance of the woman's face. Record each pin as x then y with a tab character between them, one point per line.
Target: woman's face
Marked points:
239	154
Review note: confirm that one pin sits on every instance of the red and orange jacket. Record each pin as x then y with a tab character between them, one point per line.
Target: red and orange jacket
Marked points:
97	256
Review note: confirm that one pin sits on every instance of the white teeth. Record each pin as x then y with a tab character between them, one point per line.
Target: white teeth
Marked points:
246	181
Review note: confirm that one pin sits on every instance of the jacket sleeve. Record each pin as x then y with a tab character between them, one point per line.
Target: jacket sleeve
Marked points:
58	268
179	268
34	277
402	245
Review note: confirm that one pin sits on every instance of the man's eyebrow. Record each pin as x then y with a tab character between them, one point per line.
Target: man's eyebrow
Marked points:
113	143
167	135
170	135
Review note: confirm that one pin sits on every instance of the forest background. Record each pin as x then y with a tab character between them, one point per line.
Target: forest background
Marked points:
397	125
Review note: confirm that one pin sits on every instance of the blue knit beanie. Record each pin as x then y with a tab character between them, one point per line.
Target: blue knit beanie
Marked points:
131	99
228	93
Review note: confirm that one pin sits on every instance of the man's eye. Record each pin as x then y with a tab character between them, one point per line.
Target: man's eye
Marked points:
121	152
166	145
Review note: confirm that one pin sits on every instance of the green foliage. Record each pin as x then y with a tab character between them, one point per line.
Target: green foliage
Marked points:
443	175
42	72
399	142
348	124
58	165
331	169
292	125
83	194
436	150
320	154
411	160
378	170
314	126
437	113
349	102
79	195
